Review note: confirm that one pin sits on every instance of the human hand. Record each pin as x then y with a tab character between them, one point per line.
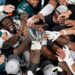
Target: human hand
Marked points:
34	19
62	2
70	22
63	16
63	54
60	55
40	16
66	50
8	8
52	35
30	22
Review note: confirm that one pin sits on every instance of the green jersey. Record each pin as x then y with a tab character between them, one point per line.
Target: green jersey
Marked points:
26	8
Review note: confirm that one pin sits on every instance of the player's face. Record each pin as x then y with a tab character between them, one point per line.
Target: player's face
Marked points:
8	24
34	3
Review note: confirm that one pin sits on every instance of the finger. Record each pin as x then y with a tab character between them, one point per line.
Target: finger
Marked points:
42	19
29	24
56	56
11	6
60	55
11	10
60	17
61	20
60	51
67	23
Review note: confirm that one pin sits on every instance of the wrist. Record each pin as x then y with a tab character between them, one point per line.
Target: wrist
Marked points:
60	60
62	32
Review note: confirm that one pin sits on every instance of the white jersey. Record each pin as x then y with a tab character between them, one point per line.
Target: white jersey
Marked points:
1	8
71	2
72	53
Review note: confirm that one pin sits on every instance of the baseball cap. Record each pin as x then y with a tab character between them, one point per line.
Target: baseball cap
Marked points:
61	9
13	65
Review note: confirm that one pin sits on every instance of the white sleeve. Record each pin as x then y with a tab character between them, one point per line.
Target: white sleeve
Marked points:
1	8
48	9
71	2
69	61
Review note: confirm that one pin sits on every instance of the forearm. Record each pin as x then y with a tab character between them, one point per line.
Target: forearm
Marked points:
65	68
62	40
12	40
19	50
70	31
34	61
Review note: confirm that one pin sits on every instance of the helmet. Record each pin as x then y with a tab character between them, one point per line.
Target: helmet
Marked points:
12	66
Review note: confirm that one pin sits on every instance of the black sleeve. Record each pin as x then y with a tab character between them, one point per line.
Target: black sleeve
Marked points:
72	8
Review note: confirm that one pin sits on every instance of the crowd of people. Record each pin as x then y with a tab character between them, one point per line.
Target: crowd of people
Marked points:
37	35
